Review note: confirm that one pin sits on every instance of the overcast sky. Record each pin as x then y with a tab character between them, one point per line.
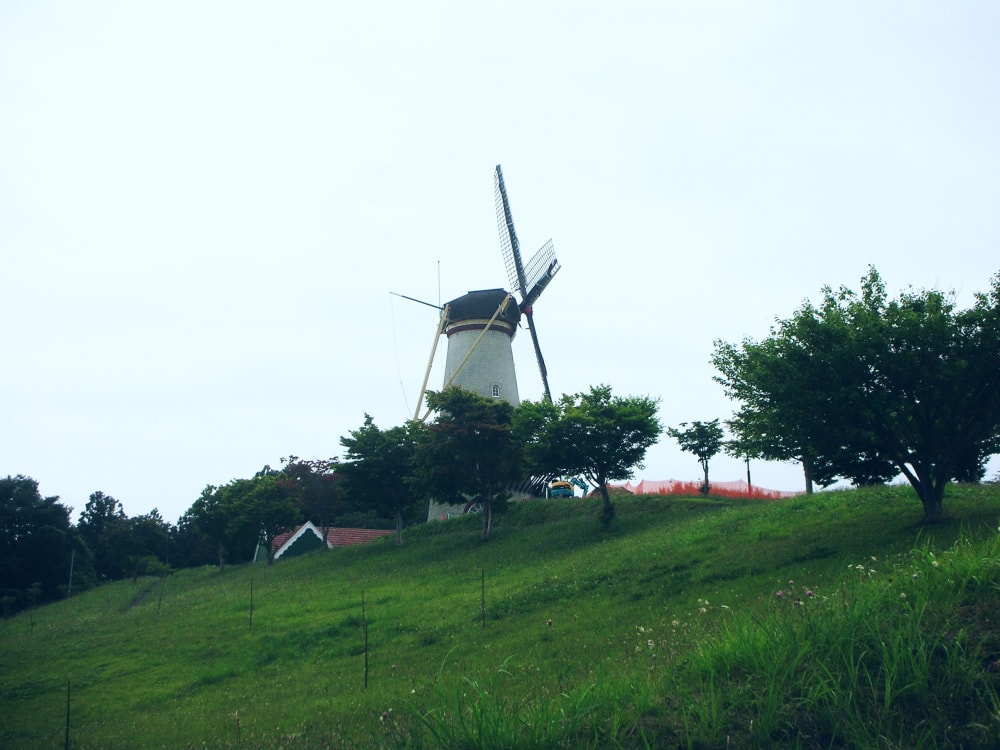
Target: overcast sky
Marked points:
204	207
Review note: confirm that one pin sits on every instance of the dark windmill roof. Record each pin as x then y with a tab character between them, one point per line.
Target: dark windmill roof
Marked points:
482	304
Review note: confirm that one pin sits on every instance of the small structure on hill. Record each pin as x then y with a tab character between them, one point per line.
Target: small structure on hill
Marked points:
307	537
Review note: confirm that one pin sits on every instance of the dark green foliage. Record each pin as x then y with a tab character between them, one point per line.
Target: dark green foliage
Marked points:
36	542
864	387
598	435
317	487
469	450
377	471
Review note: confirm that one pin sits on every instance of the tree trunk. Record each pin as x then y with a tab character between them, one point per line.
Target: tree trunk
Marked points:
929	489
933	508
487	519
399	526
609	510
807	473
705	487
222	557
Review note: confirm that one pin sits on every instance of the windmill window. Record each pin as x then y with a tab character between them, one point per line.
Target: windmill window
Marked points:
496	390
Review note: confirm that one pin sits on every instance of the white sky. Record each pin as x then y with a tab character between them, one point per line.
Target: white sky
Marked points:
204	207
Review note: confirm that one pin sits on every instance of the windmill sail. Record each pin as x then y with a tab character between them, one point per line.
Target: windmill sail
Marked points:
529	280
508	236
539	272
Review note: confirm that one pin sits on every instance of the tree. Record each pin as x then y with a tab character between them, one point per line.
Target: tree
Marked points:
210	519
190	547
703	439
469	450
317	486
258	510
377	467
596	434
103	527
861	383
148	544
36	543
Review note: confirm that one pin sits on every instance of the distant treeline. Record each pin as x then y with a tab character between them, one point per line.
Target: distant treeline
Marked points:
44	556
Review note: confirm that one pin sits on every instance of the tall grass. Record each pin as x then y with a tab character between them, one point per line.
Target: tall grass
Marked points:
665	630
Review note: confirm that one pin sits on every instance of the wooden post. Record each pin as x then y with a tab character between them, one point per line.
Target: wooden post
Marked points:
67	713
72	559
163	585
364	628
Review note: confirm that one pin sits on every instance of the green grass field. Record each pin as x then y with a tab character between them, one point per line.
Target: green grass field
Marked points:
665	630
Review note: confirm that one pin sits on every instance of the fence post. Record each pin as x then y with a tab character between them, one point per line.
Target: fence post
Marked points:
67	713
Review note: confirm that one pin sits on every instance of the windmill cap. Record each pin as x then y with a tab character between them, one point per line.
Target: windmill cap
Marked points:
482	306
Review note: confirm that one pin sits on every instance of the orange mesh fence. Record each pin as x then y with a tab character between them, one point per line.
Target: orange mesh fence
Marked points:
738	489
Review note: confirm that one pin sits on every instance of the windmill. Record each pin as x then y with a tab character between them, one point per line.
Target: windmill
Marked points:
480	325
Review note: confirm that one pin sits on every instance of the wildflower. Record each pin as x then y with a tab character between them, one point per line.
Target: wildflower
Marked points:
902	595
916	575
393	667
780	594
675	623
934	563
549	623
384	716
809	593
650	643
791	584
702	610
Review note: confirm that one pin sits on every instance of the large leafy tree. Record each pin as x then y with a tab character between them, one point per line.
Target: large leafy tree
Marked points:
36	541
598	435
207	519
103	526
317	486
258	510
377	469
123	546
149	543
703	439
866	387
469	450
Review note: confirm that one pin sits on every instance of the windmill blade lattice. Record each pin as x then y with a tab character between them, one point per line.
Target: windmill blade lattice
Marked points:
528	280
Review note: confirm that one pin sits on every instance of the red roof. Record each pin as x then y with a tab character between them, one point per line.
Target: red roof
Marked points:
335	537
349	537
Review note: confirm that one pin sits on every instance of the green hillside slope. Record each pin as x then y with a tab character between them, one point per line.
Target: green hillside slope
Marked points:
665	630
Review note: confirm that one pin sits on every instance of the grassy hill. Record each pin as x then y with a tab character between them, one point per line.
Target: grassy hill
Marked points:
826	621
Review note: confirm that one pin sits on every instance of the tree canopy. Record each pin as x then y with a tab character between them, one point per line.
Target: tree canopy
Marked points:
377	469
596	434
469	451
864	388
35	544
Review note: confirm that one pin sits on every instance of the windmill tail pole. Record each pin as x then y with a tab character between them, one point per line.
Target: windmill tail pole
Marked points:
430	361
538	354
